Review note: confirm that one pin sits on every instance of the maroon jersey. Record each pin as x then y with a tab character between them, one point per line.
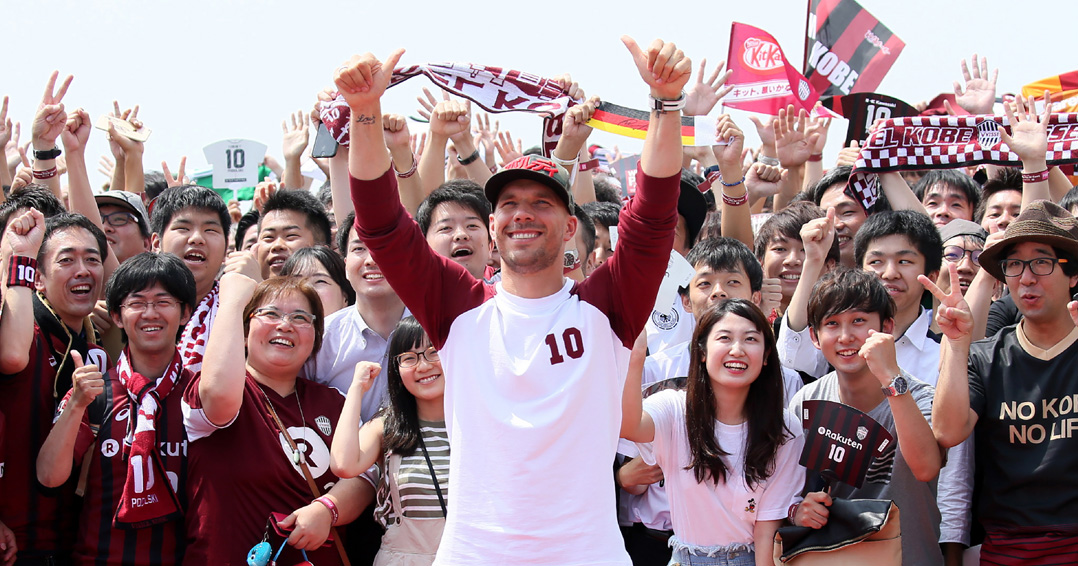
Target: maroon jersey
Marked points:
43	519
98	543
840	441
240	473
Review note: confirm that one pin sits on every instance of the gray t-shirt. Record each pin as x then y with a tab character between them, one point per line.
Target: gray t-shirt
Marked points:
889	477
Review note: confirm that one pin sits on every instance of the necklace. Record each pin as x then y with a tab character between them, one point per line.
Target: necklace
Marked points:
298	456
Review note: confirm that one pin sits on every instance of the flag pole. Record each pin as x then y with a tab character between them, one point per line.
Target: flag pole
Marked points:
808	20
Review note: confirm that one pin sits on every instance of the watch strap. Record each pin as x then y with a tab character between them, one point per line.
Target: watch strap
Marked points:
47	153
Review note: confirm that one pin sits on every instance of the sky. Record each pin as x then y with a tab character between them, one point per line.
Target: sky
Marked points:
208	70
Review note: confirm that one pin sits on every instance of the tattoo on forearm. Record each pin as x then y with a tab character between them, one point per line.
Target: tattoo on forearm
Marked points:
365	119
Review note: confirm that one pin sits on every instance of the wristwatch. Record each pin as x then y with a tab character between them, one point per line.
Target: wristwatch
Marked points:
43	154
899	386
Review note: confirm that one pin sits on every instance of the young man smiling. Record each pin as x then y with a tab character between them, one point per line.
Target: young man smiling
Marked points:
150	297
290	220
192	223
55	276
535	366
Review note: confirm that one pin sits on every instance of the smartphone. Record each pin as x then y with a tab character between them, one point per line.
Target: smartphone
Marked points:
324	144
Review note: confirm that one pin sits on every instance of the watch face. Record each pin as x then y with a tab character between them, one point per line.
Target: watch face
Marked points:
570	259
900	384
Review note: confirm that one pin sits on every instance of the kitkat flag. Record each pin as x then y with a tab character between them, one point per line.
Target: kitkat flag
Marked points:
763	80
847	49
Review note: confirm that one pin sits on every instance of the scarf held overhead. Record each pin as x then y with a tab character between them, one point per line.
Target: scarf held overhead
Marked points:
494	89
948	142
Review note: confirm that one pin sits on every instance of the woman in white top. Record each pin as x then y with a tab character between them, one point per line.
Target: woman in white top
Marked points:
409	442
727	448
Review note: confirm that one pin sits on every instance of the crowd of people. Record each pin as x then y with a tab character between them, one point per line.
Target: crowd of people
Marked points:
458	351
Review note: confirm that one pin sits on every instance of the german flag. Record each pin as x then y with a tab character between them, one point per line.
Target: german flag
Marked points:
628	122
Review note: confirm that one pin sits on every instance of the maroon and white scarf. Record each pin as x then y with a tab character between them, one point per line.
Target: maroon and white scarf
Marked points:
148	498
948	142
494	89
192	343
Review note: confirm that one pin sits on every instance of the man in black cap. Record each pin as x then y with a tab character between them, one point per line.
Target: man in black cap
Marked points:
1018	390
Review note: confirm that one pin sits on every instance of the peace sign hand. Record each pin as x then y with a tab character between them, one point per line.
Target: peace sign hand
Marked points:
954	317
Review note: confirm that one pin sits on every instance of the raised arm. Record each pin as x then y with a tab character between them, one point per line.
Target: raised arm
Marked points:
22	239
80	195
574	135
399	142
817	236
49	121
952	418
1029	139
362	81
666	70
636	423
355	449
220	387
731	191
6	134
295	137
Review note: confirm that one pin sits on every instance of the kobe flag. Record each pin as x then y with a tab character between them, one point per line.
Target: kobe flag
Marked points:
762	79
847	49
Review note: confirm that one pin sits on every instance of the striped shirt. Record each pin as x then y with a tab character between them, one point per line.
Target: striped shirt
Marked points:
417	496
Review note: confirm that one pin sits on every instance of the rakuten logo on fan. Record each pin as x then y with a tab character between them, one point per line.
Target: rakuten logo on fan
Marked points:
761	55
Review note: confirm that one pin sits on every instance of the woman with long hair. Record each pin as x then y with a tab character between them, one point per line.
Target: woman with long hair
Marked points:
727	448
259	435
408	440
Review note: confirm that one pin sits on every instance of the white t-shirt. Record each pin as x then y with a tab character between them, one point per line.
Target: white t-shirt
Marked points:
705	514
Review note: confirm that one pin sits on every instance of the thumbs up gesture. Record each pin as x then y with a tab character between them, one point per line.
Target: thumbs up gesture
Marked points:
86	382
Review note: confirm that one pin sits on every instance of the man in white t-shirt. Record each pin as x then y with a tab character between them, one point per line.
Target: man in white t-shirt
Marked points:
536	364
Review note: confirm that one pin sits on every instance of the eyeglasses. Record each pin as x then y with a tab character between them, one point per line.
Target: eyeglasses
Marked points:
411	359
139	307
117	219
954	254
301	319
1038	266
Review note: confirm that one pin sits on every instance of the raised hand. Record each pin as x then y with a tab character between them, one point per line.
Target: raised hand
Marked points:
771	295
848	155
765	129
25	232
296	136
417	142
363	79
762	181
818	235
484	134
180	178
879	353
1029	133
451	118
241	269
793	143
76	132
663	66
507	150
364	374
6	130
817	125
395	131
50	119
702	96
953	316
980	92
571	87
729	155
575	129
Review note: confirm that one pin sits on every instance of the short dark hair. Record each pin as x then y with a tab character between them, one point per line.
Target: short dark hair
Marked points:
464	192
66	221
601	212
727	254
35	196
916	227
587	226
306	204
1005	179
249	218
343	230
154	183
841	176
787	223
325	195
275	287
147	269
1070	199
1069	267
607	188
964	183
182	197
329	259
847	289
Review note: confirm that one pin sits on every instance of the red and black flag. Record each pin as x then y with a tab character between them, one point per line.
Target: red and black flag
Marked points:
841	442
847	49
862	109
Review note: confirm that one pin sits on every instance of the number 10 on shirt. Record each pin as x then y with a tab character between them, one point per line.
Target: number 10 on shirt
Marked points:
573	343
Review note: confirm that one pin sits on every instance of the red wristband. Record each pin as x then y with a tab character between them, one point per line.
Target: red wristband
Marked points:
735	201
589	165
792	513
22	271
46	174
1035	177
411	171
332	508
815	158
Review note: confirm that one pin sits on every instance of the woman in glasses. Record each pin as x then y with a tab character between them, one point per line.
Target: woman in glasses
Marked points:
409	442
259	435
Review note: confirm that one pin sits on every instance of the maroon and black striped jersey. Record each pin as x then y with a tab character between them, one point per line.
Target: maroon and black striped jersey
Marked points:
840	441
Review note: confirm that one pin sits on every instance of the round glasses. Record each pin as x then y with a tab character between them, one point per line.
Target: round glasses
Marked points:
411	359
117	219
295	318
1037	266
954	254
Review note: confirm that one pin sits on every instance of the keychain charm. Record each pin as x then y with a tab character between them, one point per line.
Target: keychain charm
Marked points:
259	554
